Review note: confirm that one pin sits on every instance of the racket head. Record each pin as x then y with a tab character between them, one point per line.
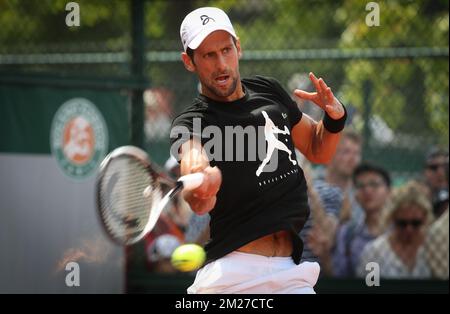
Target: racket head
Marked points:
123	208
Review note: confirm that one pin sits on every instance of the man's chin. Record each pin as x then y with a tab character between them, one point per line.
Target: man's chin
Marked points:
222	93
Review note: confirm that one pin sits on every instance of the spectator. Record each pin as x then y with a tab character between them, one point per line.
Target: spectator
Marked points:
158	113
372	185
339	174
440	202
160	243
196	227
159	253
328	194
437	244
435	177
168	233
400	251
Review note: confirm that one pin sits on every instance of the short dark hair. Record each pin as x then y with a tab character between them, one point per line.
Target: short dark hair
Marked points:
435	152
368	167
190	52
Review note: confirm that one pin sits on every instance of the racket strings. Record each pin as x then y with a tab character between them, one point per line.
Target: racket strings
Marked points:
121	192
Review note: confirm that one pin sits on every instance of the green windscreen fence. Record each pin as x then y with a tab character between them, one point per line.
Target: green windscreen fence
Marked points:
27	113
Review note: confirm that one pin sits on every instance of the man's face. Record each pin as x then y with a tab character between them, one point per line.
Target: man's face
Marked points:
347	157
435	172
216	62
371	191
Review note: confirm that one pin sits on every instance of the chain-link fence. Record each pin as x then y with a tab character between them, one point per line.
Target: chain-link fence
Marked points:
393	77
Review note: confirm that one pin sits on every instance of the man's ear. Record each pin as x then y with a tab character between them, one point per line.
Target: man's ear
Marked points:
238	47
187	61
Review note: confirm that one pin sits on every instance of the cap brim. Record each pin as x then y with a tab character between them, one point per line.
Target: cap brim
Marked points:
196	42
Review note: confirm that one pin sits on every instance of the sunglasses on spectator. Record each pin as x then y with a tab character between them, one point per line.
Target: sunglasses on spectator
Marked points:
435	167
403	223
370	184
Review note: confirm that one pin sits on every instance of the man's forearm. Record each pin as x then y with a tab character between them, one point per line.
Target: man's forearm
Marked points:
324	143
194	159
326	137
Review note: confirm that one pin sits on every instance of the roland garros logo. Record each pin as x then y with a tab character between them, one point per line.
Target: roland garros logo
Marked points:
79	137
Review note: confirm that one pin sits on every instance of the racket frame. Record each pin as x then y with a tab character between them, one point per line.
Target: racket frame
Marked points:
142	157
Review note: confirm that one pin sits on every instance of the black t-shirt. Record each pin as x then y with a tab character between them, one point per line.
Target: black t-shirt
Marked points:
260	194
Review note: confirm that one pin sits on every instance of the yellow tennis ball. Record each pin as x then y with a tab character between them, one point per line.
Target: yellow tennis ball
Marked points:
188	257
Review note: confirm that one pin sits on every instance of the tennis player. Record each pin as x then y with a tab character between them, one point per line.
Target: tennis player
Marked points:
257	205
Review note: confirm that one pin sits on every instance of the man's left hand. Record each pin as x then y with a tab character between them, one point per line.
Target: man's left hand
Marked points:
323	97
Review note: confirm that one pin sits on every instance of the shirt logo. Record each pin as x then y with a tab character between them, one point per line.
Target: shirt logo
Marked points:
284	115
270	129
205	19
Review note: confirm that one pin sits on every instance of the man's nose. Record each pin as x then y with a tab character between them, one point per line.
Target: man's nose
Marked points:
221	63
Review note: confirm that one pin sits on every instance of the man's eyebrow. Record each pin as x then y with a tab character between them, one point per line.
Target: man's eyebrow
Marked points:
230	45
209	52
213	51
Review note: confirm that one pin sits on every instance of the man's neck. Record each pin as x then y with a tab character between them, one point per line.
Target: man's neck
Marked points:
372	221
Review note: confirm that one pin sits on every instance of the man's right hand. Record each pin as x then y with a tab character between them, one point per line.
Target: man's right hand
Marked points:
194	159
203	198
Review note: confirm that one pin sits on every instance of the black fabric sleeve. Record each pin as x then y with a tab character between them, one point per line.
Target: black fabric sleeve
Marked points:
295	115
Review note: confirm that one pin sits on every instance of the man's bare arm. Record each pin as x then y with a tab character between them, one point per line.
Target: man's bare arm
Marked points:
194	159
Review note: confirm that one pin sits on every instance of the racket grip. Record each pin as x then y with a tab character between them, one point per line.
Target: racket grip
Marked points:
192	181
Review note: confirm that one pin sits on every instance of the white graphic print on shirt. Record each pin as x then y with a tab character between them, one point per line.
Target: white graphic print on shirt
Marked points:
273	143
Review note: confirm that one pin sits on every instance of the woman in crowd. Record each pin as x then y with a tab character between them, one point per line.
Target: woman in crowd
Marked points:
400	251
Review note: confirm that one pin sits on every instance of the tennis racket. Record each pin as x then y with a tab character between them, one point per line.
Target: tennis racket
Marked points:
130	195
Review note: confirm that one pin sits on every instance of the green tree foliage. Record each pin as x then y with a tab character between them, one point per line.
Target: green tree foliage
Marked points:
283	24
39	26
412	96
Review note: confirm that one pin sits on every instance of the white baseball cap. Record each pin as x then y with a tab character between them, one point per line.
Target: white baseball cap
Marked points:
201	22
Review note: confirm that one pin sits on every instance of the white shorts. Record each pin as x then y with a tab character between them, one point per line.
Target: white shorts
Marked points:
240	272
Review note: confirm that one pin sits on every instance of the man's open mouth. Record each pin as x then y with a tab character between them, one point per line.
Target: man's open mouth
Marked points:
222	79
